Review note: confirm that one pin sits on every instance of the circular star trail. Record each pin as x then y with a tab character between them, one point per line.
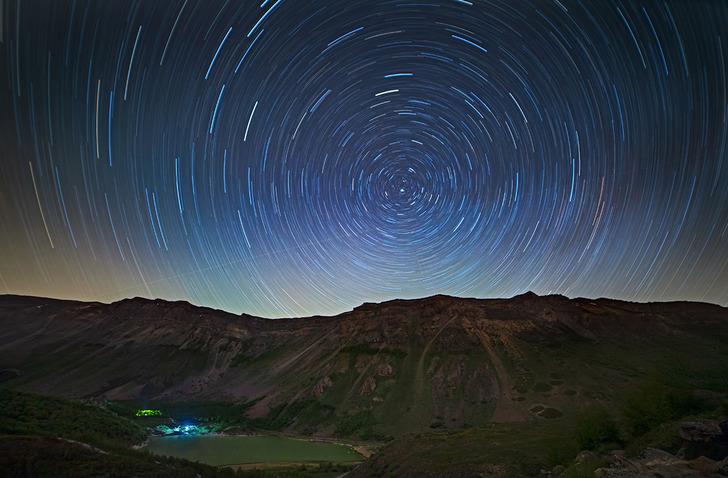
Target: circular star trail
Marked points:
301	157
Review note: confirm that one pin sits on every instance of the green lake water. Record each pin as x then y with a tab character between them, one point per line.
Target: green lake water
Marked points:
230	450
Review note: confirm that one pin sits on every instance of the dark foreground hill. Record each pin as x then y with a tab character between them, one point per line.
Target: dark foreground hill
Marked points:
378	371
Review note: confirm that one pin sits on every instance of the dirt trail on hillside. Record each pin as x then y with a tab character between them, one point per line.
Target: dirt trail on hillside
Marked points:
294	360
357	382
420	371
506	409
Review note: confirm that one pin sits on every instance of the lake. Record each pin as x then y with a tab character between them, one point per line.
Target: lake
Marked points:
232	450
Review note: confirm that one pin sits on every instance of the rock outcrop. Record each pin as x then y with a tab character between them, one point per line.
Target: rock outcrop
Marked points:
661	464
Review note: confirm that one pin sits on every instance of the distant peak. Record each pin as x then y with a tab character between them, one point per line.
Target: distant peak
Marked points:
134	300
410	302
526	295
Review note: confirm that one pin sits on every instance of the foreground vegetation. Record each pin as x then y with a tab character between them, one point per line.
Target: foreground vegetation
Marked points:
648	416
50	437
42	436
27	414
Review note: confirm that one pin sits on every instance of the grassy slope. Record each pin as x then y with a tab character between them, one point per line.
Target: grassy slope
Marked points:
559	379
518	449
50	437
41	436
36	456
514	450
41	457
26	414
617	377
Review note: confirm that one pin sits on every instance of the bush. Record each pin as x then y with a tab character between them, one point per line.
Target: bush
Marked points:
560	452
723	408
551	413
654	404
542	387
361	422
594	428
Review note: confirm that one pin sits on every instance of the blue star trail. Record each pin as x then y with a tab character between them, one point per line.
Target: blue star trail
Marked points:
289	158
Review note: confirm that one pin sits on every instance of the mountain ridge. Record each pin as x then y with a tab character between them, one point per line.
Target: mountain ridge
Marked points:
375	371
528	295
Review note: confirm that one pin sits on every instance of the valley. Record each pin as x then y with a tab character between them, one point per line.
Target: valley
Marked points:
501	386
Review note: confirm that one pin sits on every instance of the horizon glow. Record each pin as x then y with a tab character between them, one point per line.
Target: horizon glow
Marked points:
301	158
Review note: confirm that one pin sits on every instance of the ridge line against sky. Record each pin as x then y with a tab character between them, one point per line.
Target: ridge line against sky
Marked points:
363	304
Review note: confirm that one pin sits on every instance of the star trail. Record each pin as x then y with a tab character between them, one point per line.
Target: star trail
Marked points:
286	158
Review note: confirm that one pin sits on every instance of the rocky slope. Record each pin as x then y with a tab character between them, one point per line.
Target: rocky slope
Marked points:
379	370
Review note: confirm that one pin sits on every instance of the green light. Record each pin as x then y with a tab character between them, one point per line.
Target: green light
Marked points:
145	412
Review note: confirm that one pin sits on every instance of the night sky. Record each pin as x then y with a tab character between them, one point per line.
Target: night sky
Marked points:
292	157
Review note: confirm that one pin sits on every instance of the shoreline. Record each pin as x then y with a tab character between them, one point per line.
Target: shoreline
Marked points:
357	445
363	449
284	465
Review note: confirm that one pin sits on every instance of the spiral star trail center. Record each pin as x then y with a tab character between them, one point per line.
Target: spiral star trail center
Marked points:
292	158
